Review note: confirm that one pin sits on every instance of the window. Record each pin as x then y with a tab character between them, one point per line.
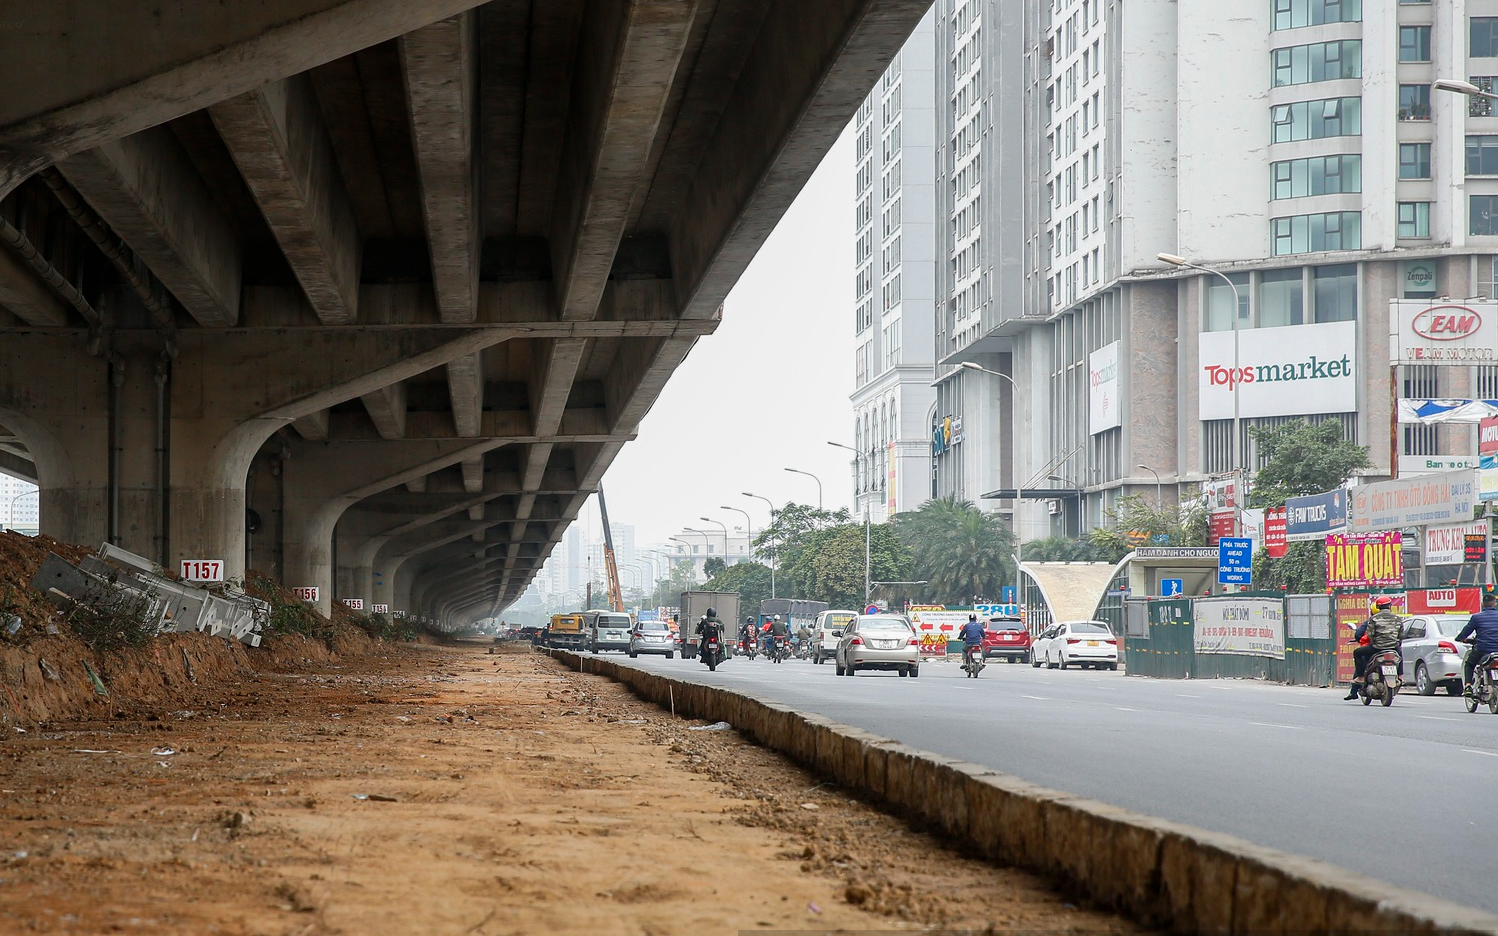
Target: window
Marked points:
1322	61
1281	298
1482	34
1478	106
1335	230
1290	14
1315	120
1220	302
1482	154
1414	43
1414	102
1335	291
1414	160
1414	219
1482	214
1317	175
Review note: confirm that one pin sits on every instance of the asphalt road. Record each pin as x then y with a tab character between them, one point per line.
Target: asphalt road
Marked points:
1288	767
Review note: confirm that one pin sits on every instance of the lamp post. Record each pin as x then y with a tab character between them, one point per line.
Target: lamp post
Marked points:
725	535
748	524
10	513
1234	379
857	476
867	587
1078	487
772	523
1159	504
814	478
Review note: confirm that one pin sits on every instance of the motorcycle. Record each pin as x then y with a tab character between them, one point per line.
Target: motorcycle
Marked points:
712	651
779	649
1484	688
747	646
972	661
803	649
1381	678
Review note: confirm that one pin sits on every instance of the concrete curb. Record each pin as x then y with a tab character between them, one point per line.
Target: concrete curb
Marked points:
1162	873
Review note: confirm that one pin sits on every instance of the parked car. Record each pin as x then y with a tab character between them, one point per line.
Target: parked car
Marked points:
1076	643
878	641
1429	646
828	632
1006	637
652	637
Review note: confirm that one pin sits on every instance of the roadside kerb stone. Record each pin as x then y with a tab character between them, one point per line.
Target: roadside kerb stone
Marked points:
1161	872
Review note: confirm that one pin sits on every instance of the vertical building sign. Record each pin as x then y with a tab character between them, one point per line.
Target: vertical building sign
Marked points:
1487	455
893	477
1104	405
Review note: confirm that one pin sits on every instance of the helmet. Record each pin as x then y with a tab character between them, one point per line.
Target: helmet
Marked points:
712	612
777	617
1382	601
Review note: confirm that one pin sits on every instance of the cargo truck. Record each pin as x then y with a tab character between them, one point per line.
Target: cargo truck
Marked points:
567	632
793	611
694	605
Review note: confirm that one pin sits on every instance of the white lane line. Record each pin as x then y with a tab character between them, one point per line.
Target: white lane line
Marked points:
1440	718
1185	696
1039	698
1483	753
1270	725
1123	709
1291	705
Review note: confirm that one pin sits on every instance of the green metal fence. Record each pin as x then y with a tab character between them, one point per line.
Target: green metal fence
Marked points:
1160	634
1164	650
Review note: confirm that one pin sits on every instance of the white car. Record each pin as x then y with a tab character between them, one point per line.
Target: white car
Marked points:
878	641
1076	643
827	632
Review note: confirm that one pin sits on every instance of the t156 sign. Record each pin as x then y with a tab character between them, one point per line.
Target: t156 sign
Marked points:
202	570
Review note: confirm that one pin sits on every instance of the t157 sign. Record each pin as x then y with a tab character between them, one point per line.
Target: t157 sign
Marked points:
202	570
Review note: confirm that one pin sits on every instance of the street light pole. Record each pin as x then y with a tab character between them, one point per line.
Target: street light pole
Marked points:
772	523
1159	504
866	532
748	524
814	478
10	513
1235	379
725	535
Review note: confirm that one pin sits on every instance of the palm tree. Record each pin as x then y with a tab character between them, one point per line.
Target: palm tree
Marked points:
958	549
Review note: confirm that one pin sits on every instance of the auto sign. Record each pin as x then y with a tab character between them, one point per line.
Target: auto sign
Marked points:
1446	323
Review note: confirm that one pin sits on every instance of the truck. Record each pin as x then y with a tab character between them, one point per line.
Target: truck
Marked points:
793	611
694	605
567	632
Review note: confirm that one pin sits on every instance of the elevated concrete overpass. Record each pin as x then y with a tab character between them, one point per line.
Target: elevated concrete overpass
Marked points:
369	294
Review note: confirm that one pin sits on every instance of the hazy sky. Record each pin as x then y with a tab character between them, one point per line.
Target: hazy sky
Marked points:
776	375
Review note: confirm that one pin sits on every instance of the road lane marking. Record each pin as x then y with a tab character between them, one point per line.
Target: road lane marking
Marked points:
1291	705
1185	696
1123	709
1439	718
1483	753
1271	725
1039	698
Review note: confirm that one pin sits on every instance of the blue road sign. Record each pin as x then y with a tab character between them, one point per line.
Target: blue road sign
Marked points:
1235	561
1172	588
1006	594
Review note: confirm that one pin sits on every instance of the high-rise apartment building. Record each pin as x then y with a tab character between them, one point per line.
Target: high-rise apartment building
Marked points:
895	287
20	503
1296	147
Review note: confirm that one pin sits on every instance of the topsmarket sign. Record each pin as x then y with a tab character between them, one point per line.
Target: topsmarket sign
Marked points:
1295	370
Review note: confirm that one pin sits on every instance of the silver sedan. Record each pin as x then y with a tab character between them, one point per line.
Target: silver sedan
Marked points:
878	641
652	637
1430	647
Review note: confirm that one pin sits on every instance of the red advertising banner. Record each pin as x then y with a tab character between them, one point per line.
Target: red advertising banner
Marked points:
1487	436
1276	531
1222	523
1351	611
1364	560
1444	600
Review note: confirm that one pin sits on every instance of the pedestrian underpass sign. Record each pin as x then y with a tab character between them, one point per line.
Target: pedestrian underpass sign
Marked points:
1235	561
1172	588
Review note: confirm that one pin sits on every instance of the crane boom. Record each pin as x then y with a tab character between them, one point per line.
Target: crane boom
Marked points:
616	594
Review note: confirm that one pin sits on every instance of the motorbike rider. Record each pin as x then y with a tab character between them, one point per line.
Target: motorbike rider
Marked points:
774	628
708	627
1383	631
1482	630
746	633
971	636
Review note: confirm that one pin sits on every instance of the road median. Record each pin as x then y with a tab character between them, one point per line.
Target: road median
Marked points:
1162	873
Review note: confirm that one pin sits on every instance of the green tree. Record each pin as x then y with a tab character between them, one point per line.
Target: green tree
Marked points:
682	577
1062	549
790	529
1300	459
961	551
713	565
1134	521
830	565
750	579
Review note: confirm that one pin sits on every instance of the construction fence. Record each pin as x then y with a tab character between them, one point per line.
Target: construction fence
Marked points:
1288	639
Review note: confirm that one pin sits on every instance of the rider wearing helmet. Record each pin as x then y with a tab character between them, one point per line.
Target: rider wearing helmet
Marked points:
1482	630
709	626
971	636
1383	631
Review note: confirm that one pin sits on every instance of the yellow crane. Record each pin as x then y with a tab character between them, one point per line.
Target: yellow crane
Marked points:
616	594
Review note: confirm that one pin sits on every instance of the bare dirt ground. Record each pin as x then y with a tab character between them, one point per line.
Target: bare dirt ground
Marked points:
447	790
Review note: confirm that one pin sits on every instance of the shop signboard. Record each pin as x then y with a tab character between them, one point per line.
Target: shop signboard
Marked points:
1276	532
1241	626
1364	561
1447	497
1443	600
1104	401
1293	370
1419	279
1315	516
1351	610
1443	333
1431	464
1487	455
1447	545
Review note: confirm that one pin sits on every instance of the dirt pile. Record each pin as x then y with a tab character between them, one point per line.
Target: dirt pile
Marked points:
20	557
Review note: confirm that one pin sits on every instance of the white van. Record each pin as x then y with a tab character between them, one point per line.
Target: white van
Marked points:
607	630
827	632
